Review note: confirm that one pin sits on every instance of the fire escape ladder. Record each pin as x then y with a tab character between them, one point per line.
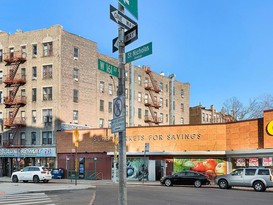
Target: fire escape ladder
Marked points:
153	90
14	60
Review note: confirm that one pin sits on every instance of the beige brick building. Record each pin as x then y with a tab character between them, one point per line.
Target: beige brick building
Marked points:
50	78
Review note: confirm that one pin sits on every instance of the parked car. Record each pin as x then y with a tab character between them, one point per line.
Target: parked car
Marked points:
185	178
57	173
259	178
32	173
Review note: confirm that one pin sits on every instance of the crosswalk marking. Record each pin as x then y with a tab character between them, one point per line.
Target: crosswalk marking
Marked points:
26	199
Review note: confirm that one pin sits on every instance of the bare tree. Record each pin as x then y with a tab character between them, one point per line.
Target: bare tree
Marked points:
253	110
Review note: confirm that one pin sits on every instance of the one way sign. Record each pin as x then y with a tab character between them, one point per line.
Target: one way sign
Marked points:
129	37
121	19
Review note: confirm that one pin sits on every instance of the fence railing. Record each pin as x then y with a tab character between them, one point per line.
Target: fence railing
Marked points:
88	174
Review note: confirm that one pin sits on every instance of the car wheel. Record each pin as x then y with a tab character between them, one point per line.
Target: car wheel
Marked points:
36	179
223	184
197	183
15	179
259	186
168	182
25	181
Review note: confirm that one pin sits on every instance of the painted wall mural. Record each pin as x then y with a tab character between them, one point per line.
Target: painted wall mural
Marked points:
210	167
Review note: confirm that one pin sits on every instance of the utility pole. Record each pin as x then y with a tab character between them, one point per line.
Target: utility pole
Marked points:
121	93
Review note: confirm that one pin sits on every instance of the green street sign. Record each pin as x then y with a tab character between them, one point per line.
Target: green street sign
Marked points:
107	68
139	52
131	6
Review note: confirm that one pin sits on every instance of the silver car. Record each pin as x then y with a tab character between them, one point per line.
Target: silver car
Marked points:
259	178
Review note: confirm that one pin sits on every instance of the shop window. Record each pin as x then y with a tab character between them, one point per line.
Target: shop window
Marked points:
47	137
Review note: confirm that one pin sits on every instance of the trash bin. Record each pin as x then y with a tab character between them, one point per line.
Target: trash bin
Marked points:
57	173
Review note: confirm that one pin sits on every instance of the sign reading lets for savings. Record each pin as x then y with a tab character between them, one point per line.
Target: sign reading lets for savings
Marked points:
107	68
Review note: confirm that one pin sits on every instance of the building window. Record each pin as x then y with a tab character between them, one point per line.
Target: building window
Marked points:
139	113
182	93
23	49
146	82
127	110
166	102
46	137
23	93
126	93
139	96
126	75
101	122
33	138
101	87
139	79
110	89
101	105
76	74
161	102
48	49
34	94
75	116
182	107
173	105
161	117
161	86
109	123
75	96
47	94
23	73
34	116
110	107
11	52
1	55
166	87
167	117
34	73
146	98
181	120
1	96
76	53
47	116
34	50
22	138
1	76
47	71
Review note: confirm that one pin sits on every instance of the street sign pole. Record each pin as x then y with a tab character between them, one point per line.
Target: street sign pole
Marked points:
121	92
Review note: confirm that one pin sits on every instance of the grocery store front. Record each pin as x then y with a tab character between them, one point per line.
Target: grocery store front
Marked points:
12	159
213	149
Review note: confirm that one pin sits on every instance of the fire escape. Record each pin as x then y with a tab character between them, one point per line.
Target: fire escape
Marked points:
152	103
13	102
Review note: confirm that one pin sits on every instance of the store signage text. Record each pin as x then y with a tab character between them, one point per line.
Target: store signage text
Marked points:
159	137
28	152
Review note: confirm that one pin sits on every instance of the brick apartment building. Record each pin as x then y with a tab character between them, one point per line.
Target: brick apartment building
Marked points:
50	80
201	115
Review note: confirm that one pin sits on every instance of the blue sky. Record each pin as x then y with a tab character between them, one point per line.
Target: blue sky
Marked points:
223	48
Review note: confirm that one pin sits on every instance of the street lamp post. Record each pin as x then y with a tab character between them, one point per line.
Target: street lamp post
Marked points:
95	166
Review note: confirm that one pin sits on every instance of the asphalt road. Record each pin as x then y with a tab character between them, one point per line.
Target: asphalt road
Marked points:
161	195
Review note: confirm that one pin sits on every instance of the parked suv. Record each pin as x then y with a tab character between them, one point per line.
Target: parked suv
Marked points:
259	178
32	173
